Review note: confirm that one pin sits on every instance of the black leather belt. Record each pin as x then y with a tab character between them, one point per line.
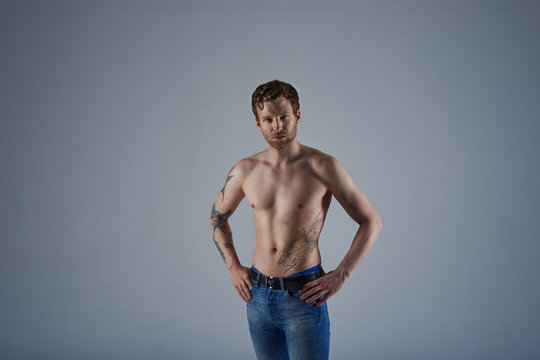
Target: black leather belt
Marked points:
284	283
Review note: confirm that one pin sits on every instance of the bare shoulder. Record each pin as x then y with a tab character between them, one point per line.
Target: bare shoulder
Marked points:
321	162
246	165
329	170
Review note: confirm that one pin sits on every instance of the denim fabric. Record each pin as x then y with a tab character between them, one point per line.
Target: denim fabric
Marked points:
284	327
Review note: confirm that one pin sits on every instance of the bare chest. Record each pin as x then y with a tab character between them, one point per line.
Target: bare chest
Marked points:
267	188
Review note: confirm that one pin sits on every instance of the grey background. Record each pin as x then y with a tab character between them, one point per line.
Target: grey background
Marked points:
120	120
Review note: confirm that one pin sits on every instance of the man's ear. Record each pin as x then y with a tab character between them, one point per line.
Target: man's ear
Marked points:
257	122
298	115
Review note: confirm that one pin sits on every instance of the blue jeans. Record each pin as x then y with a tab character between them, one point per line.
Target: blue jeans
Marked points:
284	327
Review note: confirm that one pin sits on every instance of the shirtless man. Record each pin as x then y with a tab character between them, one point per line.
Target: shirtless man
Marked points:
289	186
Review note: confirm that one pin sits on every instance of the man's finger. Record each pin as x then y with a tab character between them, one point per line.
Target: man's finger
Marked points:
313	290
248	295
315	296
244	293
243	296
241	291
310	292
309	285
325	299
247	292
247	280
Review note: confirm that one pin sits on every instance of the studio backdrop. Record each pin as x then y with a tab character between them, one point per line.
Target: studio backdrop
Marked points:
119	121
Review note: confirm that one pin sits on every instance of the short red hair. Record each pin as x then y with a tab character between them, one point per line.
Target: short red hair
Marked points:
270	92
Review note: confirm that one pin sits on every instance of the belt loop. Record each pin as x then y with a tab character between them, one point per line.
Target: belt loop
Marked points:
282	283
258	278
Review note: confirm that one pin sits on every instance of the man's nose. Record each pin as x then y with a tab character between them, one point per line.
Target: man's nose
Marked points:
278	124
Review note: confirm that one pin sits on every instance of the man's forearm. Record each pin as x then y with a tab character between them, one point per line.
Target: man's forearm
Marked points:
224	244
362	242
222	236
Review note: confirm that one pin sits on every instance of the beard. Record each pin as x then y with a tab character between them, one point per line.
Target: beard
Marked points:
281	143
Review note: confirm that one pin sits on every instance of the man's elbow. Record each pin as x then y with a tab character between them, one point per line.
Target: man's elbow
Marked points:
379	225
373	222
378	222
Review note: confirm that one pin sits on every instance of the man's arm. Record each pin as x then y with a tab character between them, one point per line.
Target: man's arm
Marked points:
226	203
356	204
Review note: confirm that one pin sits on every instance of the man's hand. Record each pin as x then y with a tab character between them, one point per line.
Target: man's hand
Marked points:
241	282
326	285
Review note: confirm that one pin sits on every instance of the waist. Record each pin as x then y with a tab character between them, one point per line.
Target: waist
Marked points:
303	272
284	261
292	282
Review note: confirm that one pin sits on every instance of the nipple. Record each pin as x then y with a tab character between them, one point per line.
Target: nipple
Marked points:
300	206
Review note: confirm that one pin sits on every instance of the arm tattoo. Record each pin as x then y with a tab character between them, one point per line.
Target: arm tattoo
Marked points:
293	256
219	221
219	249
229	177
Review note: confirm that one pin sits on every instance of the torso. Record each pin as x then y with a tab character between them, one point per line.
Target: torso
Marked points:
289	206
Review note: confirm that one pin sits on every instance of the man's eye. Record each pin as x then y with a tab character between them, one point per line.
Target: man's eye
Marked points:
284	117
267	119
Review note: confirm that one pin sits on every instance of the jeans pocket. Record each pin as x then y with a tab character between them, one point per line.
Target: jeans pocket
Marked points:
294	294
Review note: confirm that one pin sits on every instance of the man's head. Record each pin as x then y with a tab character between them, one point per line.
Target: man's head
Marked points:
270	92
276	108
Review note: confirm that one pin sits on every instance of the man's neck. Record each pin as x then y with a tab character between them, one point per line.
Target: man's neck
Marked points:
283	156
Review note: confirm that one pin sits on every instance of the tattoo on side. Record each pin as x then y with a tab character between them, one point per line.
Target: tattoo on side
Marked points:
229	177
293	256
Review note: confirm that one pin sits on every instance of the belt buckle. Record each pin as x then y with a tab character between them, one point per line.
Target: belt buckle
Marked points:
270	282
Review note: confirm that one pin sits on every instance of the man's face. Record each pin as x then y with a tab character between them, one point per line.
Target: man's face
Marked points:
278	122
